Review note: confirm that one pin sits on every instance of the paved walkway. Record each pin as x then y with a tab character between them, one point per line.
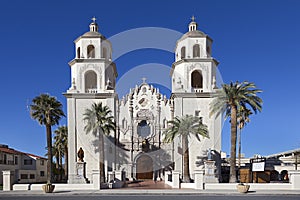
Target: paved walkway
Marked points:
145	185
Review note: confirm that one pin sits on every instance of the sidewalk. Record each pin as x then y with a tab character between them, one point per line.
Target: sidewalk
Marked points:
121	192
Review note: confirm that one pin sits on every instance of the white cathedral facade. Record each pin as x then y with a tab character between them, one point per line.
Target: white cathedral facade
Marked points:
136	148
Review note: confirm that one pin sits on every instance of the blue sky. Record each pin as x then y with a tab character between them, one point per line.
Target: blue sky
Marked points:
254	40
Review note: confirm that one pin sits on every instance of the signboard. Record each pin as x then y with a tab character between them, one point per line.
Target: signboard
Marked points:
258	167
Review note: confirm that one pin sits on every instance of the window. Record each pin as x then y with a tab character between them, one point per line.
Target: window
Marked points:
91	51
16	160
124	123
42	162
42	173
90	80
196	51
143	129
27	162
182	52
104	52
32	176
78	52
5	159
24	176
197	80
208	51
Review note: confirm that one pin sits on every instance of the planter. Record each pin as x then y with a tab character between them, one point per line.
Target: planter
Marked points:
48	188
243	188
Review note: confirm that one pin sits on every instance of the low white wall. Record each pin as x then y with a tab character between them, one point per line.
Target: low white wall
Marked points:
65	187
74	187
253	186
21	187
187	185
271	186
220	186
58	187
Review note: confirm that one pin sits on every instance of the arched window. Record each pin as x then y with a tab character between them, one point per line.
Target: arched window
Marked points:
104	53
143	129
78	52
196	51
208	51
90	81
197	79
91	51
182	52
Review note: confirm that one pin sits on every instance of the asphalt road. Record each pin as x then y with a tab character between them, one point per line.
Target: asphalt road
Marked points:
152	197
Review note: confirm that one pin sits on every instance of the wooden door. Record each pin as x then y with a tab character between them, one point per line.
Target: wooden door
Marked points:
144	167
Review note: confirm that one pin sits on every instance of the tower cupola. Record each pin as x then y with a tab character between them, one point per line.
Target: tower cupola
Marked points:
94	25
193	25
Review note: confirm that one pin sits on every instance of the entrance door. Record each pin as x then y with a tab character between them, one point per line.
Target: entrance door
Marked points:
144	167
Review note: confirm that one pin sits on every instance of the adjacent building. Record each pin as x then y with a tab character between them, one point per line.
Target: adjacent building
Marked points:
27	168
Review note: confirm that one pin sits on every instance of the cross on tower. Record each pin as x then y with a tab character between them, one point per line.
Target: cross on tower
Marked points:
144	79
193	18
94	19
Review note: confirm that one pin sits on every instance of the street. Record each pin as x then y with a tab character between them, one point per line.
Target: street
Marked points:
153	197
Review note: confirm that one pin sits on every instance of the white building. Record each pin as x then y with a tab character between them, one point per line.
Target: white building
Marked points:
27	168
137	147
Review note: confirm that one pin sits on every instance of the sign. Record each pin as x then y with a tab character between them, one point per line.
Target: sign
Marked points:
258	167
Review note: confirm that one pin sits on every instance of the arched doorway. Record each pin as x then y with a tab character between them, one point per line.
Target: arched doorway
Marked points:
144	167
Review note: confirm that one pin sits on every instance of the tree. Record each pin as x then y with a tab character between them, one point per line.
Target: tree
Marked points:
47	110
61	144
100	122
243	115
185	127
228	99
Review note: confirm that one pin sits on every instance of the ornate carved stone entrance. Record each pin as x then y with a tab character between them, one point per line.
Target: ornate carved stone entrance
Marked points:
144	167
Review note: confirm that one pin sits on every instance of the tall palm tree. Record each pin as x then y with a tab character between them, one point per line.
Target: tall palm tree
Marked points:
184	127
61	143
47	110
100	122
243	117
228	99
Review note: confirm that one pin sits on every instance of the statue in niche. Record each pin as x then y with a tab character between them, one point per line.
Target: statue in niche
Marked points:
109	85
209	154
80	155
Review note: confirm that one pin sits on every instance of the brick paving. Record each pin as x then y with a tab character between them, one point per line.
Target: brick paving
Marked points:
146	184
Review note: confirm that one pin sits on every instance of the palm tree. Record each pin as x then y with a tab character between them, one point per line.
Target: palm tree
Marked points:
56	168
229	99
61	143
185	127
100	122
47	110
242	119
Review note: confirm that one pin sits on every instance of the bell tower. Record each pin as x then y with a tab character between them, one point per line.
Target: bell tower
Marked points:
93	80
193	84
92	70
194	69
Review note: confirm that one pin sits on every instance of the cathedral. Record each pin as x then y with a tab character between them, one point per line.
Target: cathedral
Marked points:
136	149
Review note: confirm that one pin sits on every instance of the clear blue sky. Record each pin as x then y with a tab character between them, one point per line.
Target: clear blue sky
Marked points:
256	40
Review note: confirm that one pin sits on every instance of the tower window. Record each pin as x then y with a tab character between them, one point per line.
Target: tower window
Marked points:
91	51
182	52
78	52
196	51
197	79
90	80
208	51
104	53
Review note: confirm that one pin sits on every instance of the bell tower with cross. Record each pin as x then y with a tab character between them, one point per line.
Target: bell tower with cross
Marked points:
194	83
93	80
